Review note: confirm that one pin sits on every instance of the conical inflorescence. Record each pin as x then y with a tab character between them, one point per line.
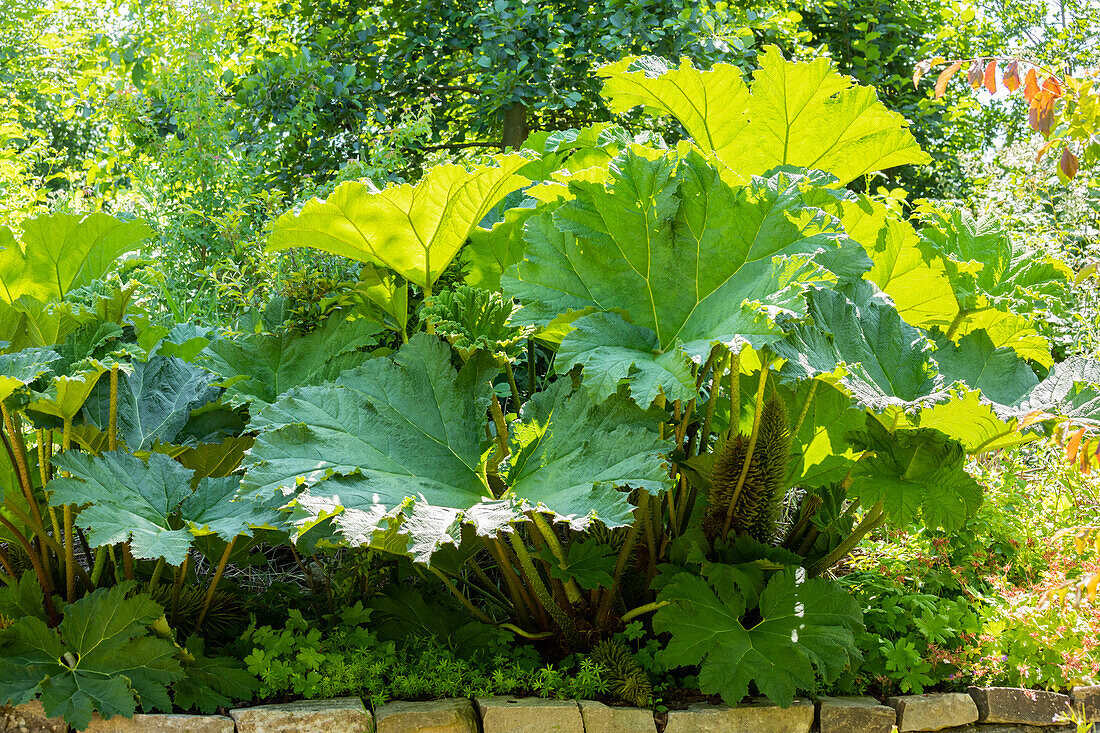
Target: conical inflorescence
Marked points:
756	507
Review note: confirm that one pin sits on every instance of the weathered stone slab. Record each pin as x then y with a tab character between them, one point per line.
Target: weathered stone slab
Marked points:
998	728
1020	706
341	715
758	716
600	718
436	716
848	714
529	715
29	718
1087	700
933	711
162	724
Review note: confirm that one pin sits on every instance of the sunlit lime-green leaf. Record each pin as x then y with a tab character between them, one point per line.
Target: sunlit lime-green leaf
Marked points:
29	323
415	230
969	419
66	394
60	252
802	114
711	105
386	291
492	251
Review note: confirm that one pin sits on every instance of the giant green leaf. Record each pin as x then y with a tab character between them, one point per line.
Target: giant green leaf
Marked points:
1001	376
415	230
1070	390
19	369
28	323
914	278
492	251
60	252
572	456
969	419
801	629
385	290
916	474
155	400
99	659
986	267
149	503
862	344
66	394
612	352
275	363
401	443
965	274
711	105
393	430
800	114
678	252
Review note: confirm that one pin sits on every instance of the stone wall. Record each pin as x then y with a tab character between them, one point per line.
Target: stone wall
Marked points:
979	710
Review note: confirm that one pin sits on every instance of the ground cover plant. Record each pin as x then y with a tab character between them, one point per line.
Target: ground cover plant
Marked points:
660	407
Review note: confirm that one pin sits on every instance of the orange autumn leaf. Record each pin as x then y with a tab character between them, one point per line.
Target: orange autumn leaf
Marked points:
945	76
1031	85
990	77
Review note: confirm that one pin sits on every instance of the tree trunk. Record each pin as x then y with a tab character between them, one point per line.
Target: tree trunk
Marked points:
515	126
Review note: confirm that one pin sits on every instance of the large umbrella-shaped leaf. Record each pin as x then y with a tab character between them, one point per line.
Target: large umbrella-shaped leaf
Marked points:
711	105
67	393
986	267
402	442
98	660
273	363
410	428
571	456
492	251
612	351
968	418
1071	390
150	503
801	114
28	323
862	344
802	629
679	253
415	230
915	474
60	252
19	369
1002	377
155	400
129	500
